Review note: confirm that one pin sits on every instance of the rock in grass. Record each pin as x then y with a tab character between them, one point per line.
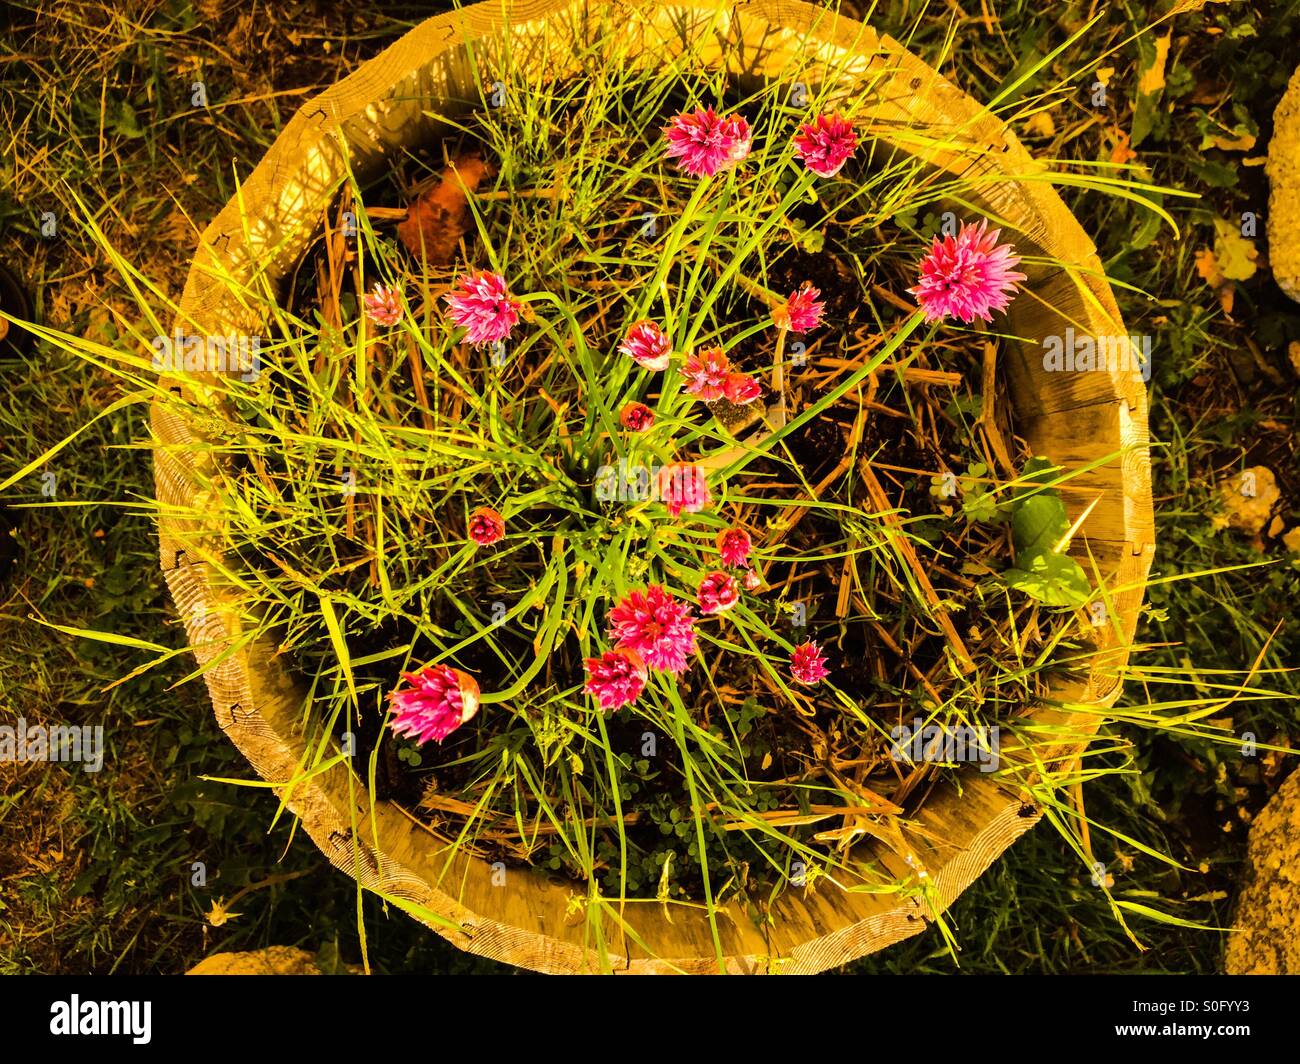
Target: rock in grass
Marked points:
1266	928
1248	499
274	960
1283	170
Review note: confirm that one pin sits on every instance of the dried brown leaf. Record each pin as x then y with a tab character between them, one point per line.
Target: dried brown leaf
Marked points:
439	218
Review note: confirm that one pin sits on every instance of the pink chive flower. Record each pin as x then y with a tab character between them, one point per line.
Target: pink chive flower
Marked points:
735	547
751	580
683	486
967	276
704	142
706	374
825	144
616	678
741	388
383	305
486	526
718	593
658	627
481	304
439	700
647	345
636	417
807	664
802	312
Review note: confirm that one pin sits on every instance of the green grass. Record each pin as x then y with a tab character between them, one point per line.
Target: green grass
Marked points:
278	443
1163	788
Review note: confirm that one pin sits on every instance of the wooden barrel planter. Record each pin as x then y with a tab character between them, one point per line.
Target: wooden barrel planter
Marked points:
1077	418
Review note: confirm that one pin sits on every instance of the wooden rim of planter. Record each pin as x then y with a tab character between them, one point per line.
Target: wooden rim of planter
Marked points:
1075	418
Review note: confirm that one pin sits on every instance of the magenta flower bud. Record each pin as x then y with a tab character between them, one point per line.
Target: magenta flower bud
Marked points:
740	388
706	374
704	142
658	627
800	313
439	700
616	678
383	305
683	486
486	526
825	144
481	304
636	417
967	276
718	593
807	664
735	546
647	345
